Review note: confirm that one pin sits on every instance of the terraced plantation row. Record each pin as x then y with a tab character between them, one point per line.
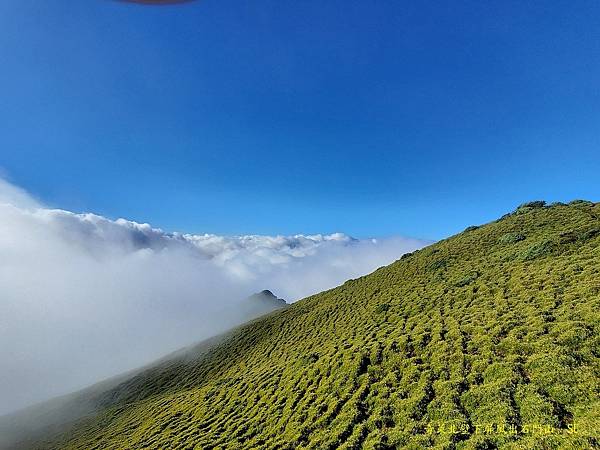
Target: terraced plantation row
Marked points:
489	339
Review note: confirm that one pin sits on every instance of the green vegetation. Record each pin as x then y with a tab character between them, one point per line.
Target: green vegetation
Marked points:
489	339
539	249
512	238
527	207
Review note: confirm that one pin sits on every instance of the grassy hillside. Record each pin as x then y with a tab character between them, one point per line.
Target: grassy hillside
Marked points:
488	339
26	428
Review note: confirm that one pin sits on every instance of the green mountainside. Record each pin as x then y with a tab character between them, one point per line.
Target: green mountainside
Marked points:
488	339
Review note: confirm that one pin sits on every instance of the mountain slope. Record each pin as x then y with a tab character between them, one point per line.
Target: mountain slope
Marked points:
487	339
24	428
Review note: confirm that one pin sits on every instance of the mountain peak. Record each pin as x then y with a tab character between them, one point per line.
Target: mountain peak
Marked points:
267	296
267	292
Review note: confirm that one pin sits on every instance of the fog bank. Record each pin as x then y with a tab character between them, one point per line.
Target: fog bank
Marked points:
85	297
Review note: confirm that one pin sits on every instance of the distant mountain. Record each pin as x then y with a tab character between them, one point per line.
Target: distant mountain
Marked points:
266	297
488	339
258	304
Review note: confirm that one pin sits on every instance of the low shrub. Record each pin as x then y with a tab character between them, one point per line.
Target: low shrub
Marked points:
512	238
467	279
581	203
538	250
382	307
529	206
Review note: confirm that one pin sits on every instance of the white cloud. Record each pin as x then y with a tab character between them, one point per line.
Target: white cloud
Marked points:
85	297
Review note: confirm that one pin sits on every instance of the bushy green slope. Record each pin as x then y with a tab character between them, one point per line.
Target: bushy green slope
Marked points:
488	339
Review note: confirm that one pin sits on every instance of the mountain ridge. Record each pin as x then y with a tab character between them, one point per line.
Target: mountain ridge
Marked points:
267	296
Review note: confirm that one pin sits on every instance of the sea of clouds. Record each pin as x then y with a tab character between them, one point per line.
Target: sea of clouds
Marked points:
83	297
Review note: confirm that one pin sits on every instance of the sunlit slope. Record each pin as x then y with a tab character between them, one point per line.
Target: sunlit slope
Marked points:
497	327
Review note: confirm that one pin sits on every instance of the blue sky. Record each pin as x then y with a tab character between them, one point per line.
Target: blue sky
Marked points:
371	118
